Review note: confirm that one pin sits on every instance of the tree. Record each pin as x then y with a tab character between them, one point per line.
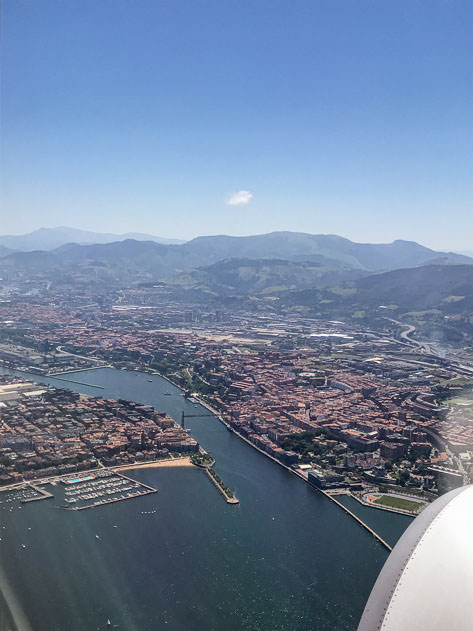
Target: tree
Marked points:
404	476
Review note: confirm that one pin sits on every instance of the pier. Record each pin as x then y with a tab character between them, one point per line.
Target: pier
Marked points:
356	518
80	383
113	500
43	494
218	483
146	486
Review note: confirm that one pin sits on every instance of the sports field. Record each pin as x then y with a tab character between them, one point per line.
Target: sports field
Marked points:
398	502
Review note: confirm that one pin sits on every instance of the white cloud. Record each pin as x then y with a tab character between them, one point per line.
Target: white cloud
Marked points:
239	199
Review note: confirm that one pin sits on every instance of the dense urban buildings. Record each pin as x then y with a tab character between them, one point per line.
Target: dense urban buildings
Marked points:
346	406
45	431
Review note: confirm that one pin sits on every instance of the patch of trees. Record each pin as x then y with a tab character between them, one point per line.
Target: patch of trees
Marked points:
303	444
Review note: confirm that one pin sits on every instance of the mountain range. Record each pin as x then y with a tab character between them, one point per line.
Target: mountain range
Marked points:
51	238
158	260
324	275
327	249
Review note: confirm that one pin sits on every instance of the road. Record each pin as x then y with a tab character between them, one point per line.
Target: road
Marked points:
405	335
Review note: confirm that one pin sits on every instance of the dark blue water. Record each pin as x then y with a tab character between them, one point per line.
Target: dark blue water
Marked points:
286	558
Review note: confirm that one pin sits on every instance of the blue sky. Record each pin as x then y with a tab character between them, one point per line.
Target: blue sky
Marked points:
327	116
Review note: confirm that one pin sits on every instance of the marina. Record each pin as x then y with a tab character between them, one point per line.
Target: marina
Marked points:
24	495
91	490
103	487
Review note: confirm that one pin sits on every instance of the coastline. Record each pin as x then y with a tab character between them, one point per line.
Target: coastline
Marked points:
219	417
185	461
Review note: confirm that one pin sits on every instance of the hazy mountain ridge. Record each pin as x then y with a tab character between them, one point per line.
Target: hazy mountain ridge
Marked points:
159	260
321	285
52	238
300	246
322	273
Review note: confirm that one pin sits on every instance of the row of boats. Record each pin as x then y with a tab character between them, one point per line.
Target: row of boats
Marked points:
101	494
115	483
22	495
102	489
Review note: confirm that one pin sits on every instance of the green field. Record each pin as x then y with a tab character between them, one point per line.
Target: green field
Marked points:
398	502
461	401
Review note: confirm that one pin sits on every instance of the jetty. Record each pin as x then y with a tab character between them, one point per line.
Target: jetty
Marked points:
356	518
221	487
80	383
43	494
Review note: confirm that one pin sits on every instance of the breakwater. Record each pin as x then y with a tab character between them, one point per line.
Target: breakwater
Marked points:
42	494
80	383
222	488
356	518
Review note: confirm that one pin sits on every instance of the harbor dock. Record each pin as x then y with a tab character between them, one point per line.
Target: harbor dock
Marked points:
103	487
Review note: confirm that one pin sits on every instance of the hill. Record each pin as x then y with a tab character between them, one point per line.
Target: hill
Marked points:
262	276
427	287
30	261
445	289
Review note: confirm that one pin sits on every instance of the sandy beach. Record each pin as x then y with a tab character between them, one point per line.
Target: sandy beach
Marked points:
175	462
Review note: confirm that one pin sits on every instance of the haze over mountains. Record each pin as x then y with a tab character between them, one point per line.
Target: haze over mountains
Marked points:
159	255
323	275
220	265
51	238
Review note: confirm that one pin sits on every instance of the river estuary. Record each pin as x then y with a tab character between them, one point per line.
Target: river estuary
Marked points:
284	559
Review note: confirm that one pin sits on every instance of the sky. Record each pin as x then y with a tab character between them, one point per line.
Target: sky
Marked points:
182	118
